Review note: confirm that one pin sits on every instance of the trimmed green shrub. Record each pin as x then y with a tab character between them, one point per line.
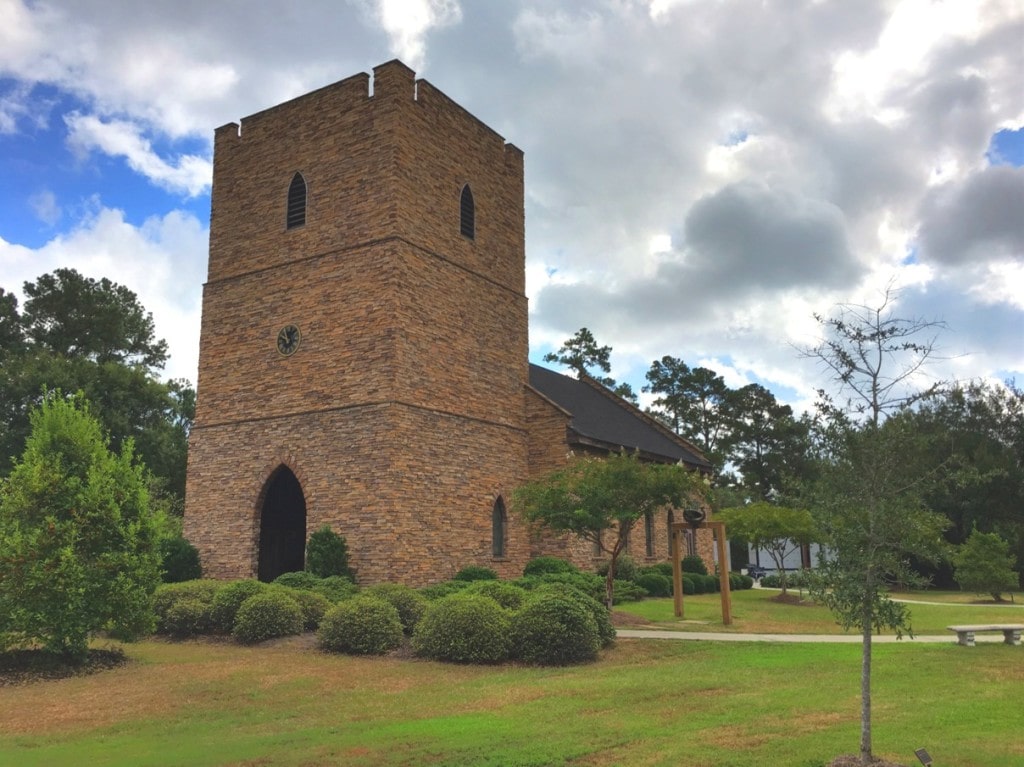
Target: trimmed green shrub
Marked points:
363	625
444	589
336	588
300	579
690	585
625	568
794	580
661	568
327	554
506	594
186	617
229	598
464	628
693	564
589	583
553	630
476	573
624	591
746	582
598	611
655	584
180	560
312	604
169	594
541	565
409	602
711	583
267	615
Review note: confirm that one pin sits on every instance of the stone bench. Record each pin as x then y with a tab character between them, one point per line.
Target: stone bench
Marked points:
965	634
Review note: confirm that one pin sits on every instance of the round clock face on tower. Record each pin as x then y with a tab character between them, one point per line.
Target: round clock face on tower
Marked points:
288	340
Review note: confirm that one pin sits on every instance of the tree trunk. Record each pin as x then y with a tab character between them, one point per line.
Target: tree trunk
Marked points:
609	594
865	687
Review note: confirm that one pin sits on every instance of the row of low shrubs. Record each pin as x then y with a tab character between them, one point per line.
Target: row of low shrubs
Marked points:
656	580
474	618
486	621
797	579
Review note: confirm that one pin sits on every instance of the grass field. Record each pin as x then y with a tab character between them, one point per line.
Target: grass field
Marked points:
685	704
754	612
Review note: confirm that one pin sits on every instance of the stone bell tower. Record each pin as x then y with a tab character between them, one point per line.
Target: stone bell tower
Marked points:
363	356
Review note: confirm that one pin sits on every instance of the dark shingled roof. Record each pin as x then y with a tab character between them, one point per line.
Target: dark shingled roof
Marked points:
601	418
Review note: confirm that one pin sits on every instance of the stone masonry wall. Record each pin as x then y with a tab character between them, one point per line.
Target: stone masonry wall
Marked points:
402	411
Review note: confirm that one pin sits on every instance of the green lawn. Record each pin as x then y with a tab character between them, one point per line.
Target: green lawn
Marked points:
682	704
753	611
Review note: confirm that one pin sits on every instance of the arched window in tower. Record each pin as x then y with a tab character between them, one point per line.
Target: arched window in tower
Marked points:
648	533
297	201
467	208
499	528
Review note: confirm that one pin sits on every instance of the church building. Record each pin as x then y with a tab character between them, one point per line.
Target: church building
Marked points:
363	354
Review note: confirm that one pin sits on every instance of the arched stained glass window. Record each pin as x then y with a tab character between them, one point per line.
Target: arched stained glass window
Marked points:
297	202
499	528
467	208
649	534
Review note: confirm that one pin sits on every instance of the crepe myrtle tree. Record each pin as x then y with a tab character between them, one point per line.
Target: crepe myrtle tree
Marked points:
595	494
777	530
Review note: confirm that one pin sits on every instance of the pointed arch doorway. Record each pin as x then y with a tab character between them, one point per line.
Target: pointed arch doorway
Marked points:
282	546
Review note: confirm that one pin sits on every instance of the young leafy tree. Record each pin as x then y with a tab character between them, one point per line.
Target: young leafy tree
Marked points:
868	491
777	530
984	564
591	495
78	549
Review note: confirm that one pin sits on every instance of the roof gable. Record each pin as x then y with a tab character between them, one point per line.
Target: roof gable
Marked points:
602	419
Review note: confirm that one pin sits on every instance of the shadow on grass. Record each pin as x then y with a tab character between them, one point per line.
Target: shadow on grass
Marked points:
26	666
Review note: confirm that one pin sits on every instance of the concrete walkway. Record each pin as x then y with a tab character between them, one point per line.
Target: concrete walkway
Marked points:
710	636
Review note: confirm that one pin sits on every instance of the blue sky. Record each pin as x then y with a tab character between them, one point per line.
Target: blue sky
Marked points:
701	177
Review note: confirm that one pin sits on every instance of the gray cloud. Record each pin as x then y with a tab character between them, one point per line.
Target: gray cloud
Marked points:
980	219
790	150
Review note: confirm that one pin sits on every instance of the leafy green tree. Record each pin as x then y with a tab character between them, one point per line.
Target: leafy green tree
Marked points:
868	492
78	334
698	404
78	546
583	355
777	530
768	445
327	554
592	494
976	430
984	564
12	334
76	316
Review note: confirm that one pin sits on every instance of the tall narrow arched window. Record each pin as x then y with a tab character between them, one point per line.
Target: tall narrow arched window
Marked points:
297	201
499	528
649	534
467	211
